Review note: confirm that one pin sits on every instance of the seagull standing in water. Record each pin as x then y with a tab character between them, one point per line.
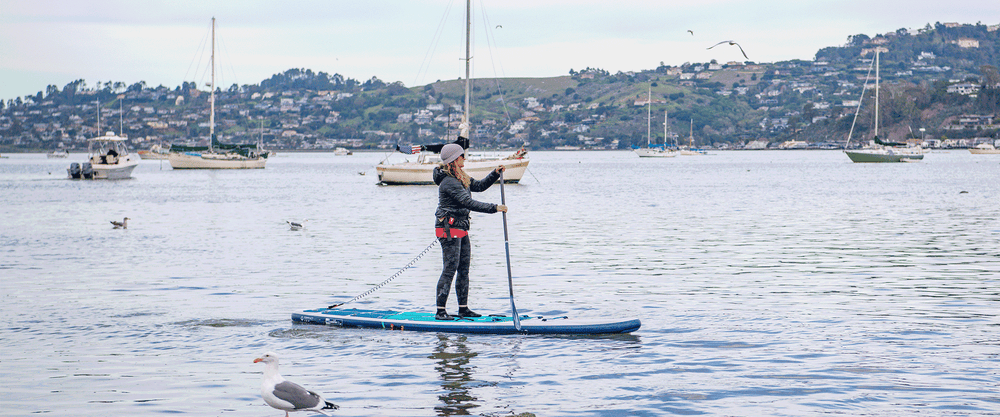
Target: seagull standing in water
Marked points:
287	395
731	43
120	225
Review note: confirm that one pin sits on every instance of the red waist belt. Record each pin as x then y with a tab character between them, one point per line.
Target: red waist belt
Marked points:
454	232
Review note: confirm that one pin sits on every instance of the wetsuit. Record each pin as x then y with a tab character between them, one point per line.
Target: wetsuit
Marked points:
452	227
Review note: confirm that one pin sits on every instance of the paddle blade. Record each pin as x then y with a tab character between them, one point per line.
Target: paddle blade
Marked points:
513	310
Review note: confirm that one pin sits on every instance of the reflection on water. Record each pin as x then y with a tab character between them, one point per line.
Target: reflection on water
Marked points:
452	359
790	283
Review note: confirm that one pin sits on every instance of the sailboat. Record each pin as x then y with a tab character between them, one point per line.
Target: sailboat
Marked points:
216	155
690	149
156	151
877	150
651	151
984	149
421	171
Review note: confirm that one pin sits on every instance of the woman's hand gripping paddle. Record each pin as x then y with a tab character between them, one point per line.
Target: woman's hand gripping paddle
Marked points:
506	245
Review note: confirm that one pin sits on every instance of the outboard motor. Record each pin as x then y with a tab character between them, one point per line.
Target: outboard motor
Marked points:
74	170
87	171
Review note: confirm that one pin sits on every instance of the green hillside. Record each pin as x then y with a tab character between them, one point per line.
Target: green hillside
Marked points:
933	78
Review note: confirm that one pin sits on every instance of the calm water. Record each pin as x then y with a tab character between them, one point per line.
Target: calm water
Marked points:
768	283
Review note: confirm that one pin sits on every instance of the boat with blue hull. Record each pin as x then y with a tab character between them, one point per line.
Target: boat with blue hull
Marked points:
492	324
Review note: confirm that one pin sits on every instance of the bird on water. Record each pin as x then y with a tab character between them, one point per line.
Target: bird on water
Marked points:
287	395
120	225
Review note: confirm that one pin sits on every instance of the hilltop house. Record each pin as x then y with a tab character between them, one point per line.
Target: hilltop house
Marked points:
964	89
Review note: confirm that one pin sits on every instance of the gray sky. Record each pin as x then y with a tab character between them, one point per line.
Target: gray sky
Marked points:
45	42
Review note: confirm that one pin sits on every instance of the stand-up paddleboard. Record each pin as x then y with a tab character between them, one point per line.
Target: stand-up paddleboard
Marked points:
494	324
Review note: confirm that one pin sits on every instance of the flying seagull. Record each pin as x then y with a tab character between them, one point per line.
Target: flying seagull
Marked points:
294	225
287	395
499	27
692	32
120	225
731	43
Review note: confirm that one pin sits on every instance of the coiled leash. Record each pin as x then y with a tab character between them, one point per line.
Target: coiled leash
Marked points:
392	277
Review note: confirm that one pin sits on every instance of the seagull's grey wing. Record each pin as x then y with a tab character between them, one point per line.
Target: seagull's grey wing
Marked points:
299	397
720	43
741	50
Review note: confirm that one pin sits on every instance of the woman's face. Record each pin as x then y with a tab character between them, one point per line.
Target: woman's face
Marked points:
460	162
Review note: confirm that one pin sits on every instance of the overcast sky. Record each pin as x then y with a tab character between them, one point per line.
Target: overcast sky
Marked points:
164	42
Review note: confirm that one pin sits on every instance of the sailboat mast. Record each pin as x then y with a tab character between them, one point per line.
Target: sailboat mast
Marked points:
649	116
877	82
211	117
468	59
665	121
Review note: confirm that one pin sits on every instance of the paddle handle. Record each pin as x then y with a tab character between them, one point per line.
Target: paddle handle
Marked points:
506	246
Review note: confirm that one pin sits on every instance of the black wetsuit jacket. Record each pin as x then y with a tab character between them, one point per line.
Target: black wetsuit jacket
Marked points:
455	201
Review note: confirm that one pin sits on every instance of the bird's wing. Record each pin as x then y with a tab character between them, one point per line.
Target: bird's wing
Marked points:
299	397
720	43
741	50
692	32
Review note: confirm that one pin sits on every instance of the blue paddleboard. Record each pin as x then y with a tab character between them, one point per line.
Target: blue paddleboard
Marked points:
494	324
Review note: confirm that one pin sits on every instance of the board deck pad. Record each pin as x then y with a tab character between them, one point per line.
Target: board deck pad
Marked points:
487	324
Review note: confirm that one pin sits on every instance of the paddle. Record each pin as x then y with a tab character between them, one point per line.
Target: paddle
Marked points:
506	246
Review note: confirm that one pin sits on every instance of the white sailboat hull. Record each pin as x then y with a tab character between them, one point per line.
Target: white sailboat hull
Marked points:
655	153
146	155
193	160
421	173
984	149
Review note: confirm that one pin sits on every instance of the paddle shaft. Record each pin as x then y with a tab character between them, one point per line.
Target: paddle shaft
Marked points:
506	246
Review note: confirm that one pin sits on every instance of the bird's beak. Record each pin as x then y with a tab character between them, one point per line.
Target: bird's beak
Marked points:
258	360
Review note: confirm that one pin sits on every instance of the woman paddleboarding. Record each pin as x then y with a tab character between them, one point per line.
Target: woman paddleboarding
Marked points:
452	225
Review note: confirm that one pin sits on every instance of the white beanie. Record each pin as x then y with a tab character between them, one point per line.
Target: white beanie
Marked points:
451	152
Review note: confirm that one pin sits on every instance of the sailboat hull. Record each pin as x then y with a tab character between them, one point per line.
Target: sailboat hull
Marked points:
655	153
883	156
193	160
417	173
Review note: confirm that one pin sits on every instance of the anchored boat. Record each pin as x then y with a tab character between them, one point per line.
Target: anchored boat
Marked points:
421	170
108	159
877	150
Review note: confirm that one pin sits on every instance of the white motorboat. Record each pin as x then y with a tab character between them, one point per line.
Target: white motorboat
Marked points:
109	159
420	171
58	153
